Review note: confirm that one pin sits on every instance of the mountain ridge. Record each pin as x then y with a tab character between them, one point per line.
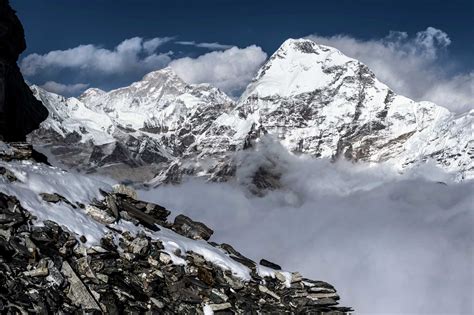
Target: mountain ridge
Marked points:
312	98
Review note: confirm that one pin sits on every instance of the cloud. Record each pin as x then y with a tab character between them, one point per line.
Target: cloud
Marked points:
130	56
411	65
230	70
211	46
64	89
151	45
391	244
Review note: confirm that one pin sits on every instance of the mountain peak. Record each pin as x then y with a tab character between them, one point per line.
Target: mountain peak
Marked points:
164	73
300	66
90	93
303	45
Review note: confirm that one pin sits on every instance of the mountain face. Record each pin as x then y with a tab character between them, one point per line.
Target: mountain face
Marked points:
149	123
318	102
311	98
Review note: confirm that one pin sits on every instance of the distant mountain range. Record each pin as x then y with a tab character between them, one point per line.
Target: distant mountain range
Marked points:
310	98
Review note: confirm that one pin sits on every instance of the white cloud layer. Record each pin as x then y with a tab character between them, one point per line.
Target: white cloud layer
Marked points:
410	66
64	89
230	70
131	55
390	244
211	46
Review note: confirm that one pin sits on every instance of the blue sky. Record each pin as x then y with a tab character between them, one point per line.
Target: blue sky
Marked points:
59	25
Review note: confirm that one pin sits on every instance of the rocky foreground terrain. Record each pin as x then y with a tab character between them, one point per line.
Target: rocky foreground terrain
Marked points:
71	244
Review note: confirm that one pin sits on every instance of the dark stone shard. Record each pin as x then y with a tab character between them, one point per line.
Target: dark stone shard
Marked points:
197	283
323	301
269	264
237	256
192	229
206	276
8	174
230	250
112	205
244	261
8	218
144	218
78	291
157	211
55	198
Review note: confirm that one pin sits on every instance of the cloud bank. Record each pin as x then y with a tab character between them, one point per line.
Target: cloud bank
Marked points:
64	89
230	70
131	55
411	65
390	244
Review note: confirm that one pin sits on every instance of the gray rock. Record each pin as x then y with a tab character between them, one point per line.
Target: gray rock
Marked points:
269	264
78	292
139	246
8	174
192	229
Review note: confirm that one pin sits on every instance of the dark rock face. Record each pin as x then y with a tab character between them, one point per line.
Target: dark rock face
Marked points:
20	111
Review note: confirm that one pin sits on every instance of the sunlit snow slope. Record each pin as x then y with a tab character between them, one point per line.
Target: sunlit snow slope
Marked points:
311	98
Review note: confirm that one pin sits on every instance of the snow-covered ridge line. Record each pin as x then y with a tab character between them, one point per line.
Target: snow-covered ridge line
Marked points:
311	98
318	102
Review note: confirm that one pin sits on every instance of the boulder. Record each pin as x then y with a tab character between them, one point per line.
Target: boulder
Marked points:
192	229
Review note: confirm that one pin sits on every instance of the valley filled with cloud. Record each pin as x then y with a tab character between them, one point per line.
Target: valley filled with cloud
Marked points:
390	243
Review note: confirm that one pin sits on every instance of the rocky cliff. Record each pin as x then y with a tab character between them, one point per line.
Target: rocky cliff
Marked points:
20	111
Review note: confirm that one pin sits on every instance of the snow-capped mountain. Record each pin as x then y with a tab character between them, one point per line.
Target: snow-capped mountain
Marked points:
319	102
150	122
311	98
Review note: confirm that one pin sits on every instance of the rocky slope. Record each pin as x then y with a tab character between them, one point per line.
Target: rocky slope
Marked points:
69	243
311	98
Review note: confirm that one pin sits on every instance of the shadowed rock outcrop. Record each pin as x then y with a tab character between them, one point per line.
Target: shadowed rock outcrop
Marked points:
20	111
